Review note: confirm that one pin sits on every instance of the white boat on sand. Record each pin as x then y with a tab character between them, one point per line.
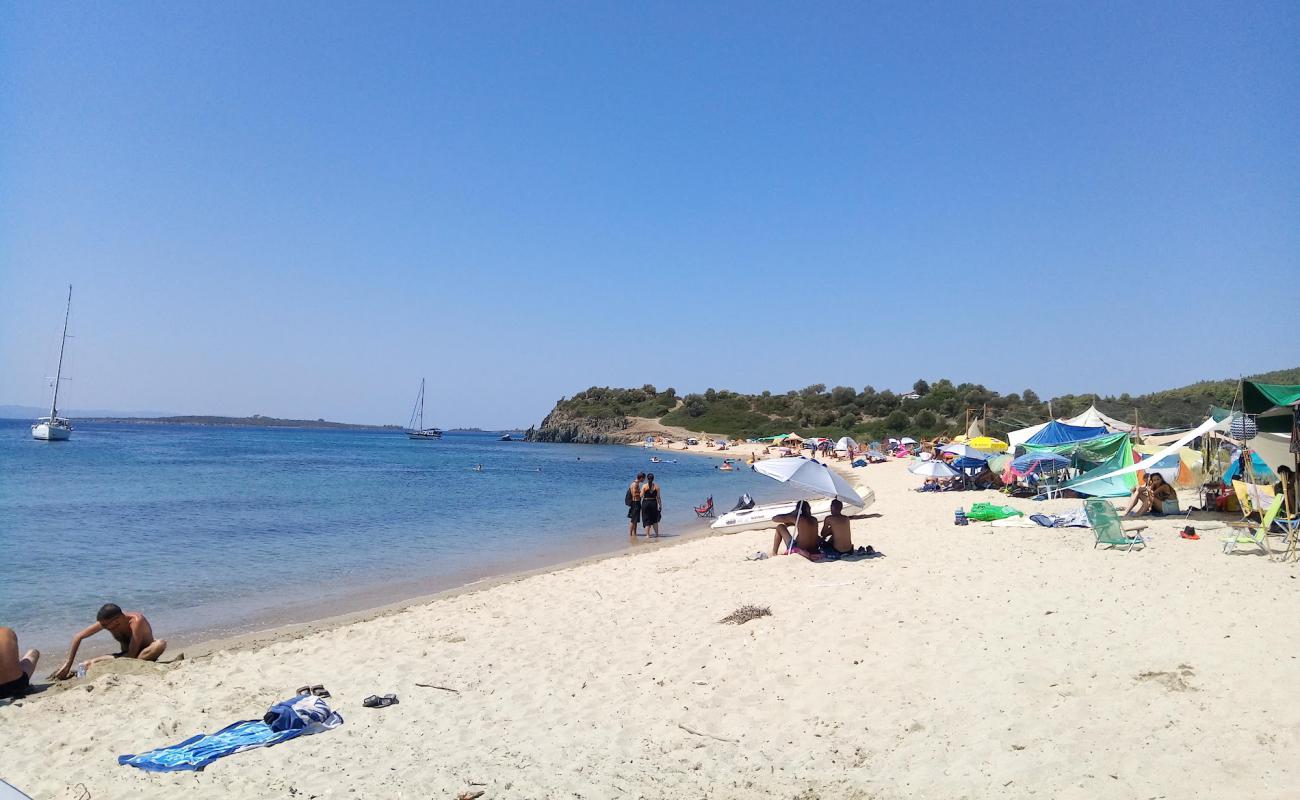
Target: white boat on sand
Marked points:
759	517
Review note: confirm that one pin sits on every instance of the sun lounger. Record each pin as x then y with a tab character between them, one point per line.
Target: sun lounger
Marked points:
1108	528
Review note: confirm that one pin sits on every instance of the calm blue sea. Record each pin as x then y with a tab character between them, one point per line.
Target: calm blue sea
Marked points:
213	531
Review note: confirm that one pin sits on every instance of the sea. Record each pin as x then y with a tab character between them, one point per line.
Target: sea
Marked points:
216	531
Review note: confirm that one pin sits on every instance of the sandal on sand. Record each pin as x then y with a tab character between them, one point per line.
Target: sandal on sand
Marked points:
375	701
316	689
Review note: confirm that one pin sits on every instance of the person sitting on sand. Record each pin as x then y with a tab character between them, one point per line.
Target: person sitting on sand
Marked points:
129	628
15	673
1150	498
805	540
836	529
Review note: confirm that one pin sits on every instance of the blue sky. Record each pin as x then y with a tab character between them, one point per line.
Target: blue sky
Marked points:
302	209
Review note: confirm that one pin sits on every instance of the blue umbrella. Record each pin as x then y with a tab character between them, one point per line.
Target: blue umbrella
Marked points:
1030	463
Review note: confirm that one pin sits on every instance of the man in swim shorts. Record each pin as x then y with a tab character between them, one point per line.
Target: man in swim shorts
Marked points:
15	673
129	628
804	541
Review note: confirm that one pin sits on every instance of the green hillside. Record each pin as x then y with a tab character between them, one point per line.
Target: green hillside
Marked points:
940	407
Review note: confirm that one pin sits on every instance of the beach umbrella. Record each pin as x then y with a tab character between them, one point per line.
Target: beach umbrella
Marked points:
907	440
811	476
999	463
932	469
965	451
1030	463
987	444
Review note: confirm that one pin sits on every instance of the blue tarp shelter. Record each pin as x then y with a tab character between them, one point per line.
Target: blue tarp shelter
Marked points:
1056	432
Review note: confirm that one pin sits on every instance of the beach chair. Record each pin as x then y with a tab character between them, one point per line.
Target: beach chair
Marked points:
1107	527
705	510
1252	534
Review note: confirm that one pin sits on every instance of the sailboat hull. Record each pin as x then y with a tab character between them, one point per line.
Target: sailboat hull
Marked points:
424	434
46	432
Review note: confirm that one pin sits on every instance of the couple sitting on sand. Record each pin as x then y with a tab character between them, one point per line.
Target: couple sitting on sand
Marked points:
834	538
130	628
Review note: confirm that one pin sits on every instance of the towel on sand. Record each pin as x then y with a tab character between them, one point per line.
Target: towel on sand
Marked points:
285	720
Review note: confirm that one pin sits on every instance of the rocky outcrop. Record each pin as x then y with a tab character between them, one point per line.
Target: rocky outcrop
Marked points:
560	426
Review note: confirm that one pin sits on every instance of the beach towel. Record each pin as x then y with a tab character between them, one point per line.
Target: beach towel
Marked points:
285	720
1074	519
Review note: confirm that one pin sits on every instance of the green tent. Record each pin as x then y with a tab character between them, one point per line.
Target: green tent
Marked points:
1088	453
1115	486
1272	402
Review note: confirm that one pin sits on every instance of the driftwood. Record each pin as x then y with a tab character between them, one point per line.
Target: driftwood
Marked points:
707	735
432	686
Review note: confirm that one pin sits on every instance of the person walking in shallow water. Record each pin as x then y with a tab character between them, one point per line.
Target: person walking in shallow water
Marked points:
652	506
634	504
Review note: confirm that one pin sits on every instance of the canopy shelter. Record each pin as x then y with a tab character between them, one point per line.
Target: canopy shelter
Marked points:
845	444
1092	418
1087	453
1273	404
1017	438
1097	480
1059	433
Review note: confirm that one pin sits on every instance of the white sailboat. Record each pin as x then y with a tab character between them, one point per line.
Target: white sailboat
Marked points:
55	428
415	429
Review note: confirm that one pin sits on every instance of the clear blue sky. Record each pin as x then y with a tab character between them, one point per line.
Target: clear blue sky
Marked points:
300	209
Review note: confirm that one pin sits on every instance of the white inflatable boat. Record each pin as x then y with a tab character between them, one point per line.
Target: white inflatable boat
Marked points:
759	517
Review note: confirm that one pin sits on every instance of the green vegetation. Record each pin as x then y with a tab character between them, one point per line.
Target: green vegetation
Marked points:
929	409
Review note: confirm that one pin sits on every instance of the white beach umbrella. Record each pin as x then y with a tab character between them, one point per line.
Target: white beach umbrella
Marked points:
810	475
933	468
965	451
907	440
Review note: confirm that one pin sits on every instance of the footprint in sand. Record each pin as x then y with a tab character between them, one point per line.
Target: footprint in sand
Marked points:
1174	681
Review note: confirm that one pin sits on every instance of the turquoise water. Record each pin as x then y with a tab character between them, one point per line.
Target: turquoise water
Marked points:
213	531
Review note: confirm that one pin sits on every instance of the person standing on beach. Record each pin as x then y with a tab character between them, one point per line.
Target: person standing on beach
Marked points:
652	506
15	673
131	630
633	498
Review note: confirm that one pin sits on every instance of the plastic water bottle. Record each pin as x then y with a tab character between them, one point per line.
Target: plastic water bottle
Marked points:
960	517
81	670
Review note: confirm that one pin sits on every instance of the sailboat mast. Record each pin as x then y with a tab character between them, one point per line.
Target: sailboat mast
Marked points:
421	405
58	375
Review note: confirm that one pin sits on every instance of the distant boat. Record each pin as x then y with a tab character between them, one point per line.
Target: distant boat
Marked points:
55	428
415	429
505	437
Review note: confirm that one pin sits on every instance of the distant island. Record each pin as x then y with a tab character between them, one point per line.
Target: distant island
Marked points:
255	421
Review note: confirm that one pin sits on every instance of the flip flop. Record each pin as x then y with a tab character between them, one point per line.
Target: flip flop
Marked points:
375	701
315	689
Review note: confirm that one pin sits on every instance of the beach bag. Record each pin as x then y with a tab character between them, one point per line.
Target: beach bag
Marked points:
987	512
628	500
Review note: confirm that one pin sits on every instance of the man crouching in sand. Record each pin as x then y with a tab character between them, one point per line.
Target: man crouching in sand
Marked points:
129	628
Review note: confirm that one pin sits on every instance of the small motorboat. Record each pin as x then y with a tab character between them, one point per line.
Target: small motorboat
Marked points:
759	517
505	437
656	460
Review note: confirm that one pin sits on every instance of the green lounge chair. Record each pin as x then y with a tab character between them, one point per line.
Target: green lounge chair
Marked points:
1108	529
1249	534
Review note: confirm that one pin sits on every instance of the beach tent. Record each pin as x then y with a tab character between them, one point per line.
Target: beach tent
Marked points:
1059	433
1263	472
1085	484
1017	438
1092	418
1085	454
1108	478
845	444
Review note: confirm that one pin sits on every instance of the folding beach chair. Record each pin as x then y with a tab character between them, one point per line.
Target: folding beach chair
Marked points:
1250	534
705	510
1108	528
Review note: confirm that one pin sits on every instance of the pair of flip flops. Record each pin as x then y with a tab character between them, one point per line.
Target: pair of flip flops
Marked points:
375	701
315	689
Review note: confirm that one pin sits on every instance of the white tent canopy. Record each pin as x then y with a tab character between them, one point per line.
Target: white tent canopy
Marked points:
1017	438
845	444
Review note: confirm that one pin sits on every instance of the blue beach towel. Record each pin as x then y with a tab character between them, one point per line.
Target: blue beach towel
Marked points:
288	719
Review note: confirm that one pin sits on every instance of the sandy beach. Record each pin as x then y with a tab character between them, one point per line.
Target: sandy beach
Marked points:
966	662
